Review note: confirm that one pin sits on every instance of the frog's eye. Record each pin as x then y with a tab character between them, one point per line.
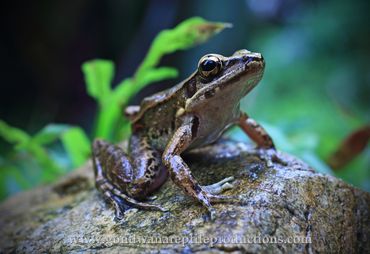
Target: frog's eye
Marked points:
209	66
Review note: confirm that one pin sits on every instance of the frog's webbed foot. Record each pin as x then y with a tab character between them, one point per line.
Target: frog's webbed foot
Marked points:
120	207
214	199
137	204
270	156
213	190
122	202
219	187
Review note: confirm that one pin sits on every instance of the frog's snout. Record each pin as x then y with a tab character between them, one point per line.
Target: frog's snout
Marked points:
260	57
253	57
255	60
261	60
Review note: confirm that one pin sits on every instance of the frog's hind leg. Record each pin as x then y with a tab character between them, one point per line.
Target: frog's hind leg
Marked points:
150	173
119	204
113	172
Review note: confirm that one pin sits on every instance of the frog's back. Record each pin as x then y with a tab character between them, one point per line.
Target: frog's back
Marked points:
157	115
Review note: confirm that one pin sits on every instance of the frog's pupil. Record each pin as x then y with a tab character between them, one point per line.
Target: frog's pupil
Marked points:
208	65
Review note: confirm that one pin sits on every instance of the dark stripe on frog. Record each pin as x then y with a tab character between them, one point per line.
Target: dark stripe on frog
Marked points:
173	125
191	88
194	127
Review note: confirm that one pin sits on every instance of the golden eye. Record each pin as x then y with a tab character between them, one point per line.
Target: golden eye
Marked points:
209	66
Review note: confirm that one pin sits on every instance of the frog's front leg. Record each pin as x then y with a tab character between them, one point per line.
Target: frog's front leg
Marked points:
263	140
122	180
256	132
180	172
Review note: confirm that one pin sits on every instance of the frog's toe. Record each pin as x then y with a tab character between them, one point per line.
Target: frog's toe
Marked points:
118	216
270	157
277	158
151	198
159	208
220	186
119	208
224	199
146	206
212	213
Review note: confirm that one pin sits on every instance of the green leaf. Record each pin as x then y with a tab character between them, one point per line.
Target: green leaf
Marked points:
187	34
22	141
108	116
98	77
77	145
11	180
126	90
13	135
50	133
50	169
155	75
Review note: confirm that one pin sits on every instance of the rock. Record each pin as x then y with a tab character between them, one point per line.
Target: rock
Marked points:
284	203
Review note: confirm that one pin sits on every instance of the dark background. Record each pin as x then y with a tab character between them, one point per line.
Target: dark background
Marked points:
315	91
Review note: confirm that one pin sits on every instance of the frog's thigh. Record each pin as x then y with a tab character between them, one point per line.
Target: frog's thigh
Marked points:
113	174
149	172
256	132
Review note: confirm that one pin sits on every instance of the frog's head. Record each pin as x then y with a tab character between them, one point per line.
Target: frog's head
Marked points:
225	79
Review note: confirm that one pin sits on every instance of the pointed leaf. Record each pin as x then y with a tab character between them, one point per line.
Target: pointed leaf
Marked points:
12	134
187	34
98	77
50	133
77	145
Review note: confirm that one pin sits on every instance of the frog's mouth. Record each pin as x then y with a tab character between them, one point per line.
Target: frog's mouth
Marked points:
254	69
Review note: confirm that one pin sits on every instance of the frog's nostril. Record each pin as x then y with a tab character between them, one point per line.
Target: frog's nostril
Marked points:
248	59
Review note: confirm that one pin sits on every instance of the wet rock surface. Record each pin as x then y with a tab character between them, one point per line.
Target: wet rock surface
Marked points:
282	204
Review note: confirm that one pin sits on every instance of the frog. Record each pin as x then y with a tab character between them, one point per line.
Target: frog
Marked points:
168	124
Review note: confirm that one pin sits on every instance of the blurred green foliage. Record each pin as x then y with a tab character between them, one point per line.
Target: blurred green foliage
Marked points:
313	91
42	148
33	153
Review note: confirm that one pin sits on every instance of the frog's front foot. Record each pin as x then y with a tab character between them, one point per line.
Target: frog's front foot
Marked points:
219	187
214	199
270	156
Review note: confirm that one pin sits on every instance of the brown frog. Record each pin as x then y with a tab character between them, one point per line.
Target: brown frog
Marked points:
191	114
